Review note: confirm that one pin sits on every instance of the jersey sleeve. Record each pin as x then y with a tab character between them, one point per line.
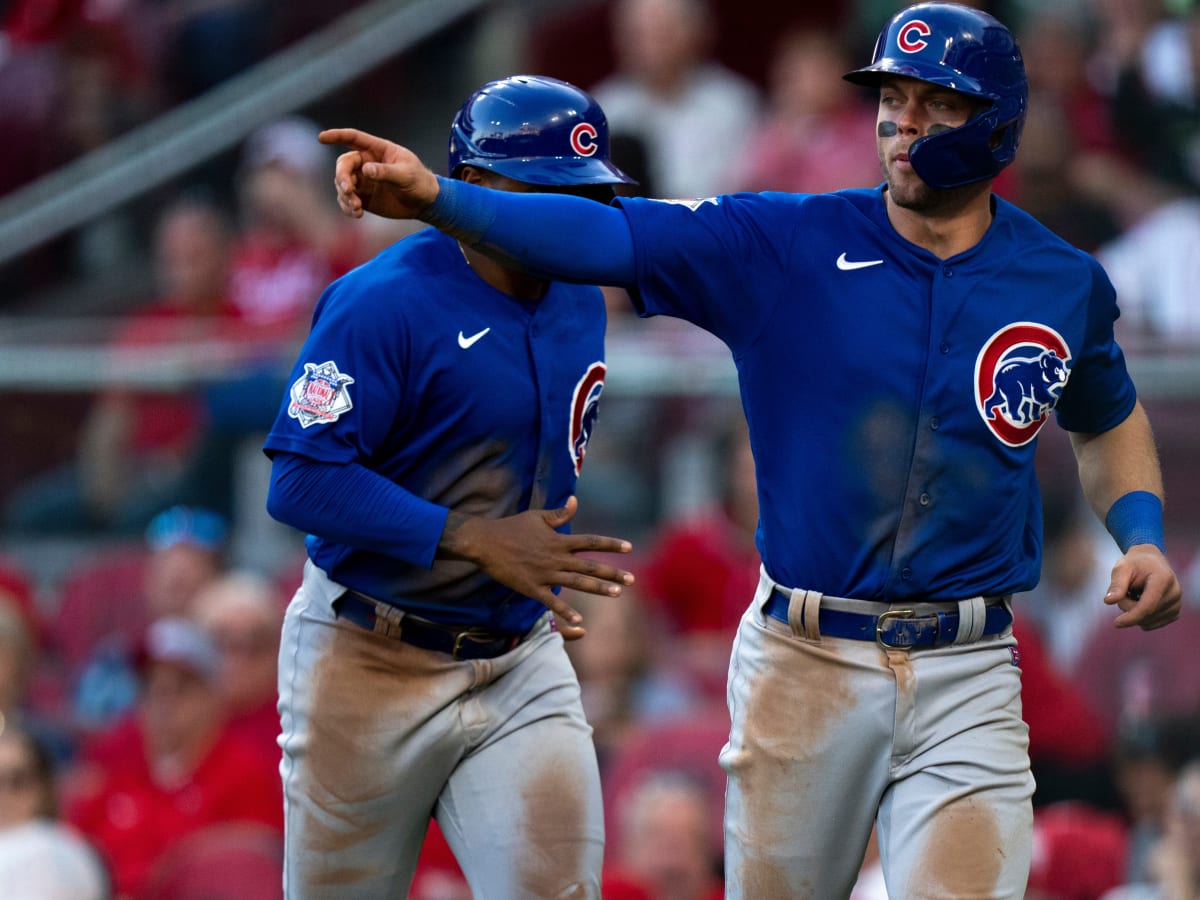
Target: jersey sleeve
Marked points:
1100	393
348	380
718	262
346	400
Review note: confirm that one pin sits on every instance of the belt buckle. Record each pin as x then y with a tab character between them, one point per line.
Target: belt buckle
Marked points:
467	635
890	614
456	648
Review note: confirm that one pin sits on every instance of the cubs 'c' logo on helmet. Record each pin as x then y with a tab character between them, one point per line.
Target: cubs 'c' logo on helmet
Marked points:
583	139
1019	377
912	36
585	406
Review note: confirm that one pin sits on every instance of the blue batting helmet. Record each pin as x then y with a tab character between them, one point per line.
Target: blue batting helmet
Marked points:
534	129
969	51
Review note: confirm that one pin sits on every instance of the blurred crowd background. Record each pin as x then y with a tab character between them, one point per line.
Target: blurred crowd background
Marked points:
167	222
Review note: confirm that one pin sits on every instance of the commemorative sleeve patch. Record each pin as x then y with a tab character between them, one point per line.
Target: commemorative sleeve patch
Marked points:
320	395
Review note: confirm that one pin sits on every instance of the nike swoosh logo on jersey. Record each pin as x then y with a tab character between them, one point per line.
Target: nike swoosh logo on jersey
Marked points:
849	266
467	342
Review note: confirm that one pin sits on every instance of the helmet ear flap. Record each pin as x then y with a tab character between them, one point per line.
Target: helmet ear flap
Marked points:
956	156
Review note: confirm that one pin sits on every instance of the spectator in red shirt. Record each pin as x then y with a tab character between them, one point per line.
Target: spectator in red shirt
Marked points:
1078	852
668	838
185	549
173	768
1068	748
243	613
292	240
814	137
702	569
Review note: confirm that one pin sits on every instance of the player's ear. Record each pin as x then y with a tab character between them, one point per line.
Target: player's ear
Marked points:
473	175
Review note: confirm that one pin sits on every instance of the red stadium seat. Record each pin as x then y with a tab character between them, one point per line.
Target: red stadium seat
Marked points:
99	598
222	862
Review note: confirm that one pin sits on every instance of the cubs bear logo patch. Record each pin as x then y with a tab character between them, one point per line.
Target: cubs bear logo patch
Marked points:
1019	377
585	407
319	396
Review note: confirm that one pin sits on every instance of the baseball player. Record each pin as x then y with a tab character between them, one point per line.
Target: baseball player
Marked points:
898	351
429	443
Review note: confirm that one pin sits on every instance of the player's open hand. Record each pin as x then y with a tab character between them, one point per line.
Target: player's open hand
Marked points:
528	554
1145	589
379	176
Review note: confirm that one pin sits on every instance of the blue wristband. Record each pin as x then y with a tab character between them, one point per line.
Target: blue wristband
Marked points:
1136	518
461	210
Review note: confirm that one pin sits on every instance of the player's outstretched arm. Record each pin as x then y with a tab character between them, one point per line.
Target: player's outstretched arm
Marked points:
526	553
379	176
559	237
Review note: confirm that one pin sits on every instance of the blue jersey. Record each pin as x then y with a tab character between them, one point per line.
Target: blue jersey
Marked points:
893	398
468	398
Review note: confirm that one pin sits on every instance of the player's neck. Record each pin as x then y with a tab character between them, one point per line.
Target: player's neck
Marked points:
502	278
945	230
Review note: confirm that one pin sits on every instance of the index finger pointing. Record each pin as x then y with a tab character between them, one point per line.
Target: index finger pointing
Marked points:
351	137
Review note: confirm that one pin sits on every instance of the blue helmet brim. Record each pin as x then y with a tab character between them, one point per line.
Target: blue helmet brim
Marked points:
552	170
870	76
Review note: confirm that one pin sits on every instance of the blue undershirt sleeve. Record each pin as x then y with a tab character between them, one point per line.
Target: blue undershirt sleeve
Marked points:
557	236
350	504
